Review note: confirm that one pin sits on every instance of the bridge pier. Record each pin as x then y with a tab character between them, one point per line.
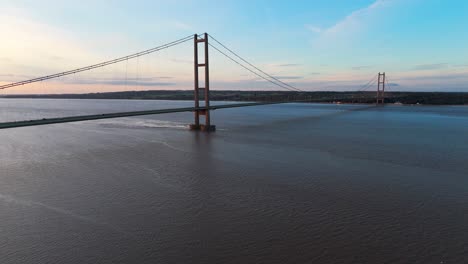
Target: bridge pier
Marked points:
205	91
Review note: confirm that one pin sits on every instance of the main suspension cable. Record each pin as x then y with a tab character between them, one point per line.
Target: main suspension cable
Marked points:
255	67
102	64
245	67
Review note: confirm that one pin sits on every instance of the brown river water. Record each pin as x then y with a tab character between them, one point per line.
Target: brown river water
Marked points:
291	183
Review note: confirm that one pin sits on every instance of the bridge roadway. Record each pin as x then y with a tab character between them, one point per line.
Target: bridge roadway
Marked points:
48	121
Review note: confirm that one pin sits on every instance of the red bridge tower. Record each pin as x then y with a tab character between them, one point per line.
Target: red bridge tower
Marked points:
381	89
205	91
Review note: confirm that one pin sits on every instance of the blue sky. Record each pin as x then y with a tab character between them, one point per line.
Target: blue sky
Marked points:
314	45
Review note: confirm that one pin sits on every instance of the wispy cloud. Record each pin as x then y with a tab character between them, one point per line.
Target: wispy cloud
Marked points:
182	61
354	20
313	28
181	25
287	65
289	77
359	68
460	65
432	77
14	77
132	83
349	26
43	42
434	66
57	58
5	59
126	82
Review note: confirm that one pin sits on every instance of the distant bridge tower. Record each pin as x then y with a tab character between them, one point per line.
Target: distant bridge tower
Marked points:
381	89
205	91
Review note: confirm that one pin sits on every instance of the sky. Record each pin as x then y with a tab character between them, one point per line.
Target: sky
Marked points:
314	45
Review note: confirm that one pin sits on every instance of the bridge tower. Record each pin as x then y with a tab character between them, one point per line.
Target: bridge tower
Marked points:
204	91
381	89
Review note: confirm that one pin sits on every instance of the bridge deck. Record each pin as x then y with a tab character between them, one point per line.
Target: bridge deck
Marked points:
47	121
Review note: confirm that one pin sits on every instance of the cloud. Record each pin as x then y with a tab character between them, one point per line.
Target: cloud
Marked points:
57	58
14	77
434	66
433	77
354	20
287	65
358	68
289	77
182	61
43	43
126	82
348	28
133	83
181	25
313	28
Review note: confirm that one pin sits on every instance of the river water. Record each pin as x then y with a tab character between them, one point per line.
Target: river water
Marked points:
292	183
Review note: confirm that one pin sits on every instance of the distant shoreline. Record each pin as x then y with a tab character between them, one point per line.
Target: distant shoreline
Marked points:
405	98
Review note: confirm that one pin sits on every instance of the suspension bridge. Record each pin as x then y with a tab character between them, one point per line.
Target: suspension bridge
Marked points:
201	93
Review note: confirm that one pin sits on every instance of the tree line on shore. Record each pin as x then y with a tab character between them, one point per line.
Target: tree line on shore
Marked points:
432	98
